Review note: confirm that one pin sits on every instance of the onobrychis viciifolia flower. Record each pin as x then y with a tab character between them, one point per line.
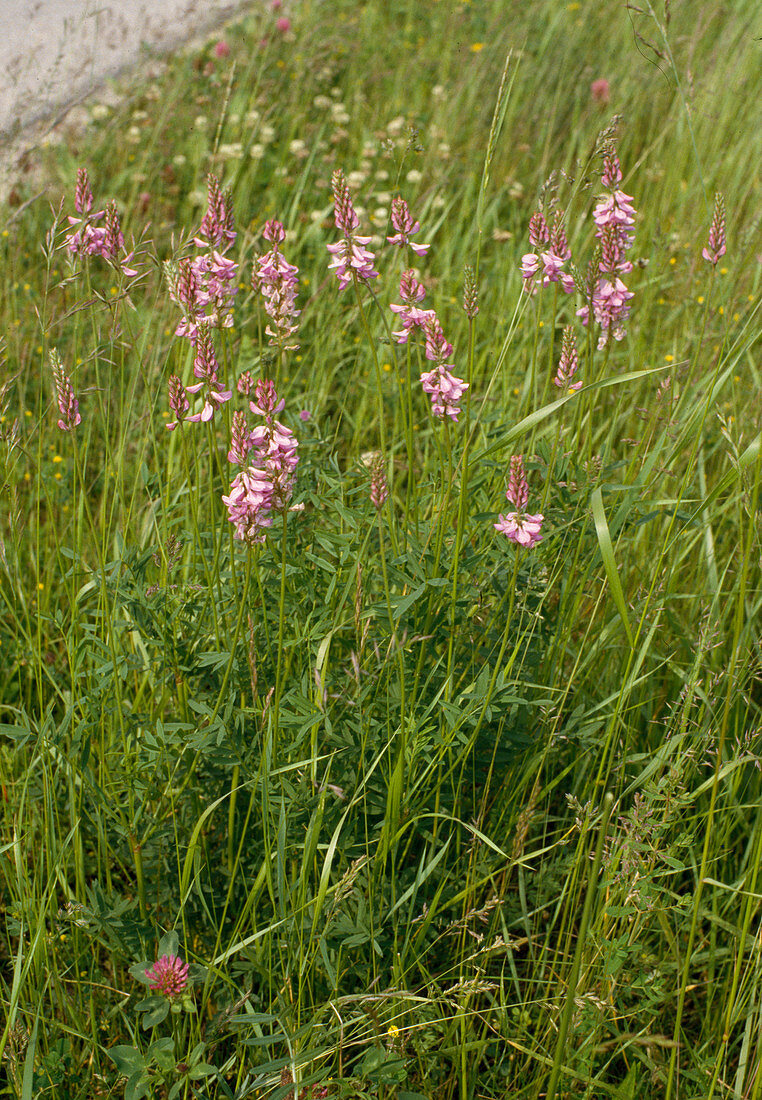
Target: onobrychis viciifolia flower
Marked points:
546	263
68	405
92	239
205	367
614	217
269	460
716	244
411	292
519	526
351	259
443	387
206	285
277	280
568	363
403	222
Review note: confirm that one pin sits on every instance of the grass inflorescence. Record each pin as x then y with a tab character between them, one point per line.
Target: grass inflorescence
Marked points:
379	689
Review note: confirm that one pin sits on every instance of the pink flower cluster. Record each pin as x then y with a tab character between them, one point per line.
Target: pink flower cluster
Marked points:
205	367
268	455
68	405
205	286
411	292
519	526
92	239
352	261
444	388
277	280
546	265
614	216
402	220
168	976
716	244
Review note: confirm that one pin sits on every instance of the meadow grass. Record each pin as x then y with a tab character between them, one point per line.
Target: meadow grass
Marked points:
427	813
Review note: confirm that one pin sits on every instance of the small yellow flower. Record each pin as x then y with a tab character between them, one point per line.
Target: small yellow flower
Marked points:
393	1032
700	299
723	271
476	46
40	587
669	358
721	310
672	260
57	458
387	367
573	7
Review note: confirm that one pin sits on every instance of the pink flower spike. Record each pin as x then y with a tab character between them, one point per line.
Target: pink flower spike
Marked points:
178	401
83	195
716	245
283	24
569	363
67	403
519	526
221	49
168	976
402	220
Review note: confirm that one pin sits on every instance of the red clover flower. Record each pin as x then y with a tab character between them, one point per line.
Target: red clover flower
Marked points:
519	526
168	976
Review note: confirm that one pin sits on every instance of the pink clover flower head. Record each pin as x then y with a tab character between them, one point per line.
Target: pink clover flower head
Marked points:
221	49
716	245
68	405
178	401
519	526
168	976
283	24
402	220
600	90
568	363
305	415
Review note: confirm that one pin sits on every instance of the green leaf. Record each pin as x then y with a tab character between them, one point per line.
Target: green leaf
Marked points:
168	944
137	1086
128	1060
609	561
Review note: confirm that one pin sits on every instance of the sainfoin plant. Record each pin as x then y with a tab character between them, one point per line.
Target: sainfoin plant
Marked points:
379	658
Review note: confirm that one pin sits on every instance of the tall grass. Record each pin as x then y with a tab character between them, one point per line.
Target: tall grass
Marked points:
429	814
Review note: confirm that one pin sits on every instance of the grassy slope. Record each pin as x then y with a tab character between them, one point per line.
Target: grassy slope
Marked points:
470	744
